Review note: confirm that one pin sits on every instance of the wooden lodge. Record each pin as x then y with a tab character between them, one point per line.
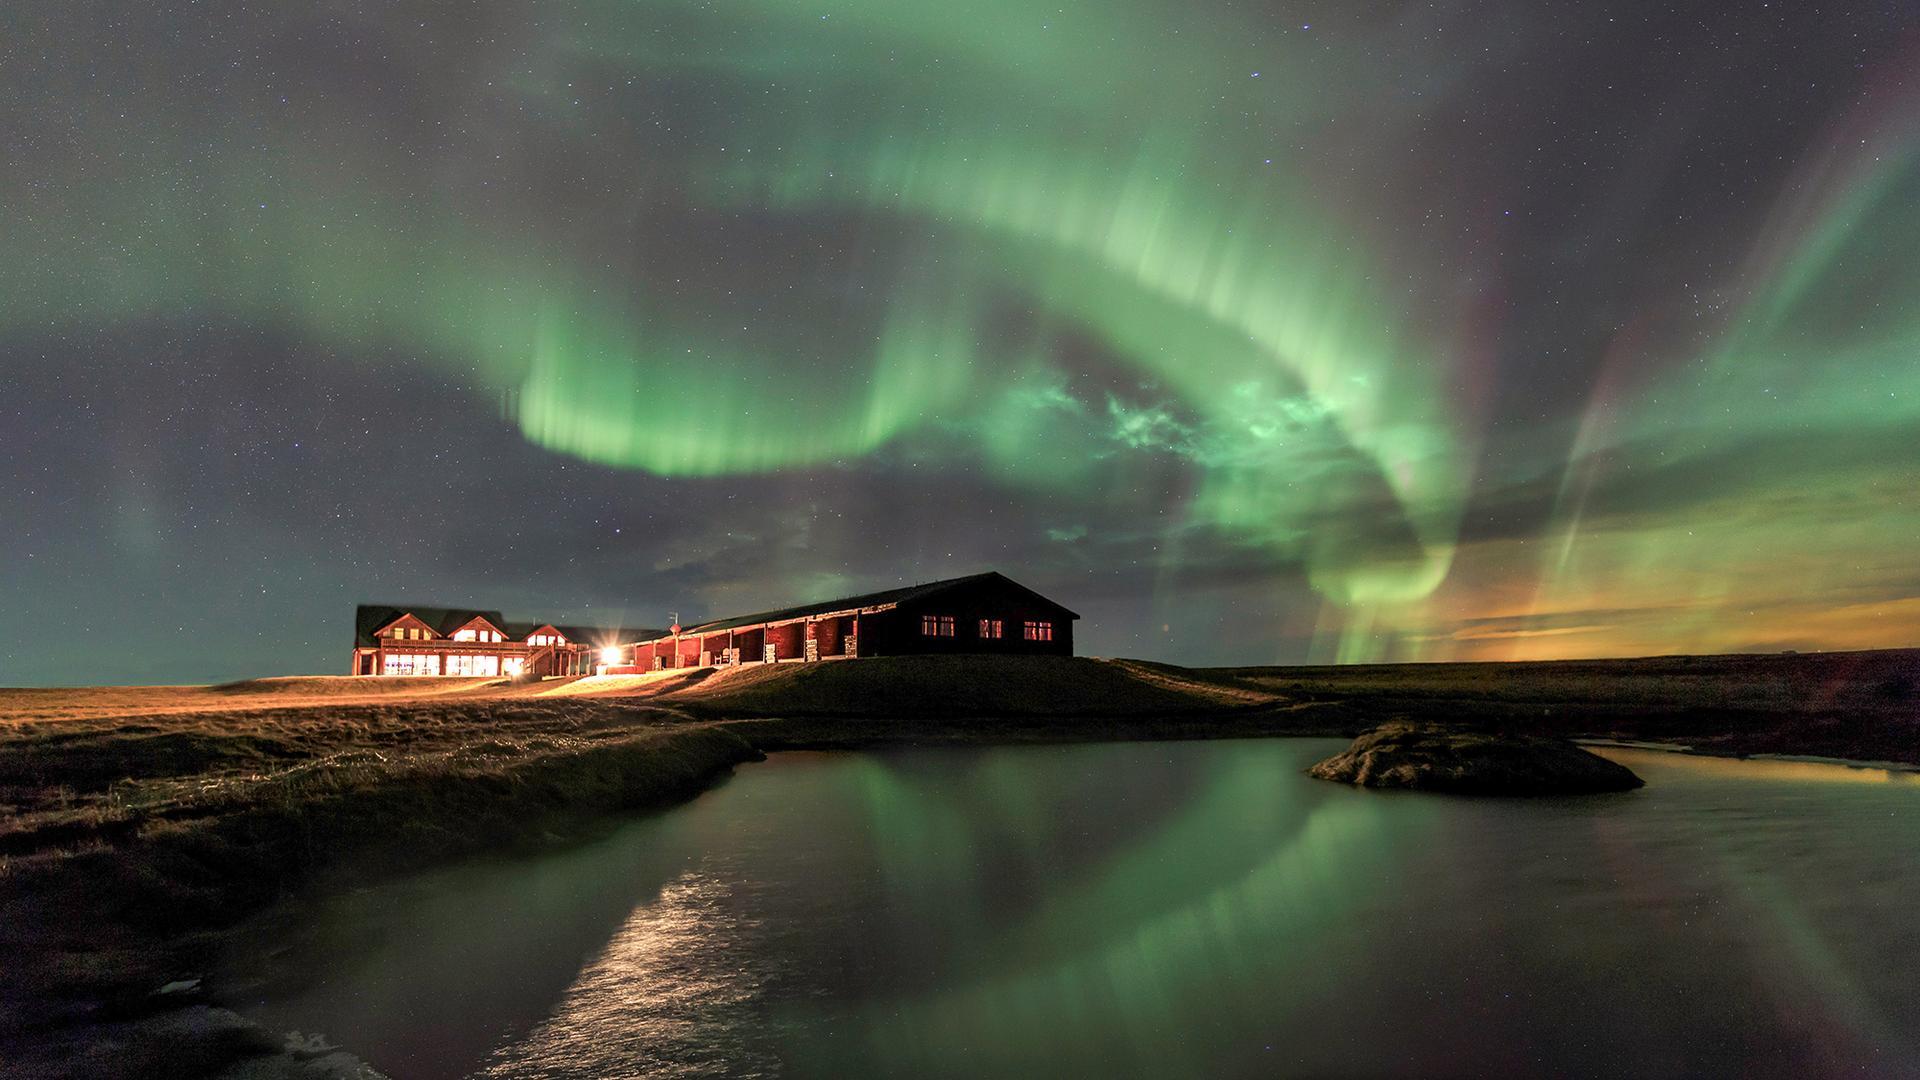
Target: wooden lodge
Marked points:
394	639
981	613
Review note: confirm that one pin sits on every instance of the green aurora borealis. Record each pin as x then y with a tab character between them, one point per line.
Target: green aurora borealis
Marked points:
1360	332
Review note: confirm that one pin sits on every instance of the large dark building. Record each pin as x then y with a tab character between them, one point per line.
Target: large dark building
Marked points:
981	613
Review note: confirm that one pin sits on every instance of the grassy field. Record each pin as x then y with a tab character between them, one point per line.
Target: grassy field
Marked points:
1857	705
139	825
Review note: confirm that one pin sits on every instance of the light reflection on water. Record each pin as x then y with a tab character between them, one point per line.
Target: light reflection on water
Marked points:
1158	909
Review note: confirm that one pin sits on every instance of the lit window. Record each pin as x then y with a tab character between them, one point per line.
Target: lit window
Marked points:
473	665
463	635
991	628
936	625
1037	631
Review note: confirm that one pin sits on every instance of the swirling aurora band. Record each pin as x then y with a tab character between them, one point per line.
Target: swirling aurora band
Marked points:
976	239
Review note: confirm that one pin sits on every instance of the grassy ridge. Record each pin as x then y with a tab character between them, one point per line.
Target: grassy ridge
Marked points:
967	687
1863	706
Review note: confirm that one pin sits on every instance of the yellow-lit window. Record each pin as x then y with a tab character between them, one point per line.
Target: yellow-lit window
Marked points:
1037	631
991	628
411	665
936	625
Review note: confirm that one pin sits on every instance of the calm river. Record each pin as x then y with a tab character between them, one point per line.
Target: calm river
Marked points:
1154	909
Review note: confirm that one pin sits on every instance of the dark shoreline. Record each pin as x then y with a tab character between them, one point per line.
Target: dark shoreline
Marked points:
95	932
134	845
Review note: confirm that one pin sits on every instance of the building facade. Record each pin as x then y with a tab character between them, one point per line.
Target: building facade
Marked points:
396	639
981	613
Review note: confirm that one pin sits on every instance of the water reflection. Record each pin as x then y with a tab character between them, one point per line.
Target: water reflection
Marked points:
428	975
1767	770
655	1003
1180	909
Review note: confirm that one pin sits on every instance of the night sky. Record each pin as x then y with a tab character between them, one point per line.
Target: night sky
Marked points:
1253	332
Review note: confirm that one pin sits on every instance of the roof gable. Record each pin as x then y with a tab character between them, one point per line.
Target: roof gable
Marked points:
405	619
368	619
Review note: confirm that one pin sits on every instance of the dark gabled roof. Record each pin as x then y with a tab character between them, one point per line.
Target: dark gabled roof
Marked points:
867	600
604	636
369	618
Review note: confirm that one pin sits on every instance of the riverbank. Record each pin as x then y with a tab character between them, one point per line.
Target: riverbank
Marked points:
138	826
115	895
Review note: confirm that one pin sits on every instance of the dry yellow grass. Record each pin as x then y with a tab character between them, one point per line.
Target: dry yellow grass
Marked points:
83	702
